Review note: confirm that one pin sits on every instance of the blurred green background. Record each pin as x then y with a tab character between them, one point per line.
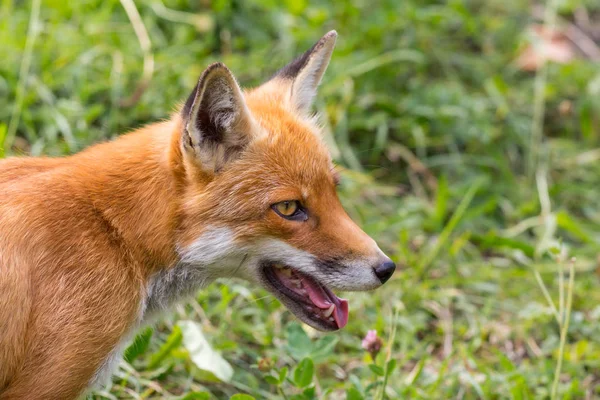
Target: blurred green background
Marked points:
474	165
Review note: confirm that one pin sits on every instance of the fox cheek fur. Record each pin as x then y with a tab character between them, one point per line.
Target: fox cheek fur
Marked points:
238	183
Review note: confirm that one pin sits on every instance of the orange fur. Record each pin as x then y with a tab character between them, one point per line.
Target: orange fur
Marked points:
79	237
82	237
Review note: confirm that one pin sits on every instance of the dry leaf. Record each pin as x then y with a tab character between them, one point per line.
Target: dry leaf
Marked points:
545	45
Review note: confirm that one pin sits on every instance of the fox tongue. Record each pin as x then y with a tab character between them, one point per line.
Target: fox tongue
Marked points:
340	314
323	298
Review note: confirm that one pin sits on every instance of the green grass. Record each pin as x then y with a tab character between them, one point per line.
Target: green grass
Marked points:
468	172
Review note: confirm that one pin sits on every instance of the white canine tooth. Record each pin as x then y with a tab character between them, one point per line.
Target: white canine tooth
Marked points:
331	319
297	283
329	311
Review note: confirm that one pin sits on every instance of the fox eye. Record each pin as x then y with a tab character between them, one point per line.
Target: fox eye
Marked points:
290	209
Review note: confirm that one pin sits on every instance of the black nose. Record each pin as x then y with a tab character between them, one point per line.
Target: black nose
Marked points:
385	270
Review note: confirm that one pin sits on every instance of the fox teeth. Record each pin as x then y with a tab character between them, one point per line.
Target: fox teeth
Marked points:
329	311
331	319
297	283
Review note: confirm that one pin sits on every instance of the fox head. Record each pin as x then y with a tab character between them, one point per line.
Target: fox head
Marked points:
260	192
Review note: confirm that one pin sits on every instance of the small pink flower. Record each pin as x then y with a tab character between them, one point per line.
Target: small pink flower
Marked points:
372	343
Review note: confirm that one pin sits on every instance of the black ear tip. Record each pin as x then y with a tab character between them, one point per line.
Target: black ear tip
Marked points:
291	70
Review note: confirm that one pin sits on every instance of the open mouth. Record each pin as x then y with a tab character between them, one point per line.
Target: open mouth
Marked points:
310	300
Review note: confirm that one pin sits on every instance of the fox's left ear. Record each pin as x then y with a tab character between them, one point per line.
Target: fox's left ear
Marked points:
306	71
217	124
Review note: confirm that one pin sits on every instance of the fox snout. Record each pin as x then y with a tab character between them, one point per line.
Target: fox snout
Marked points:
361	273
362	263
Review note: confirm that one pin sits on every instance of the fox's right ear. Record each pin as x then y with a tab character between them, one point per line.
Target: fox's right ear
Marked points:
217	124
305	72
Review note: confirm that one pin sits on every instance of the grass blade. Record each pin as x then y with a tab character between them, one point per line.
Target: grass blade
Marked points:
449	228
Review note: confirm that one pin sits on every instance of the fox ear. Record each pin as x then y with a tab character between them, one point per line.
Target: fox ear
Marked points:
306	71
216	121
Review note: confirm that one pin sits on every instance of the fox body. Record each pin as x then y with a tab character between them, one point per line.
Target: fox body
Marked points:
237	183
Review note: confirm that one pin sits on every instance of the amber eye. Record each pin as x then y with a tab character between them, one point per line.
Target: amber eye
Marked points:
287	208
290	209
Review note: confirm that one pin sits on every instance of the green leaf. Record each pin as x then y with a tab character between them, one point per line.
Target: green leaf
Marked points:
201	353
377	369
139	345
505	362
390	366
493	241
441	202
571	225
272	380
173	341
196	396
373	385
299	344
241	396
415	373
323	348
303	373
353	394
283	374
309	392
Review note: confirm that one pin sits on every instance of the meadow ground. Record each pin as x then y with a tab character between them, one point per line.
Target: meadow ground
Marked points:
480	178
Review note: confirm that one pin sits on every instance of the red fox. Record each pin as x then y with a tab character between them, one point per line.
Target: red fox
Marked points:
236	183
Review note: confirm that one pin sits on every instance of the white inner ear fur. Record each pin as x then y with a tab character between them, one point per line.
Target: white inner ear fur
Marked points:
304	86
